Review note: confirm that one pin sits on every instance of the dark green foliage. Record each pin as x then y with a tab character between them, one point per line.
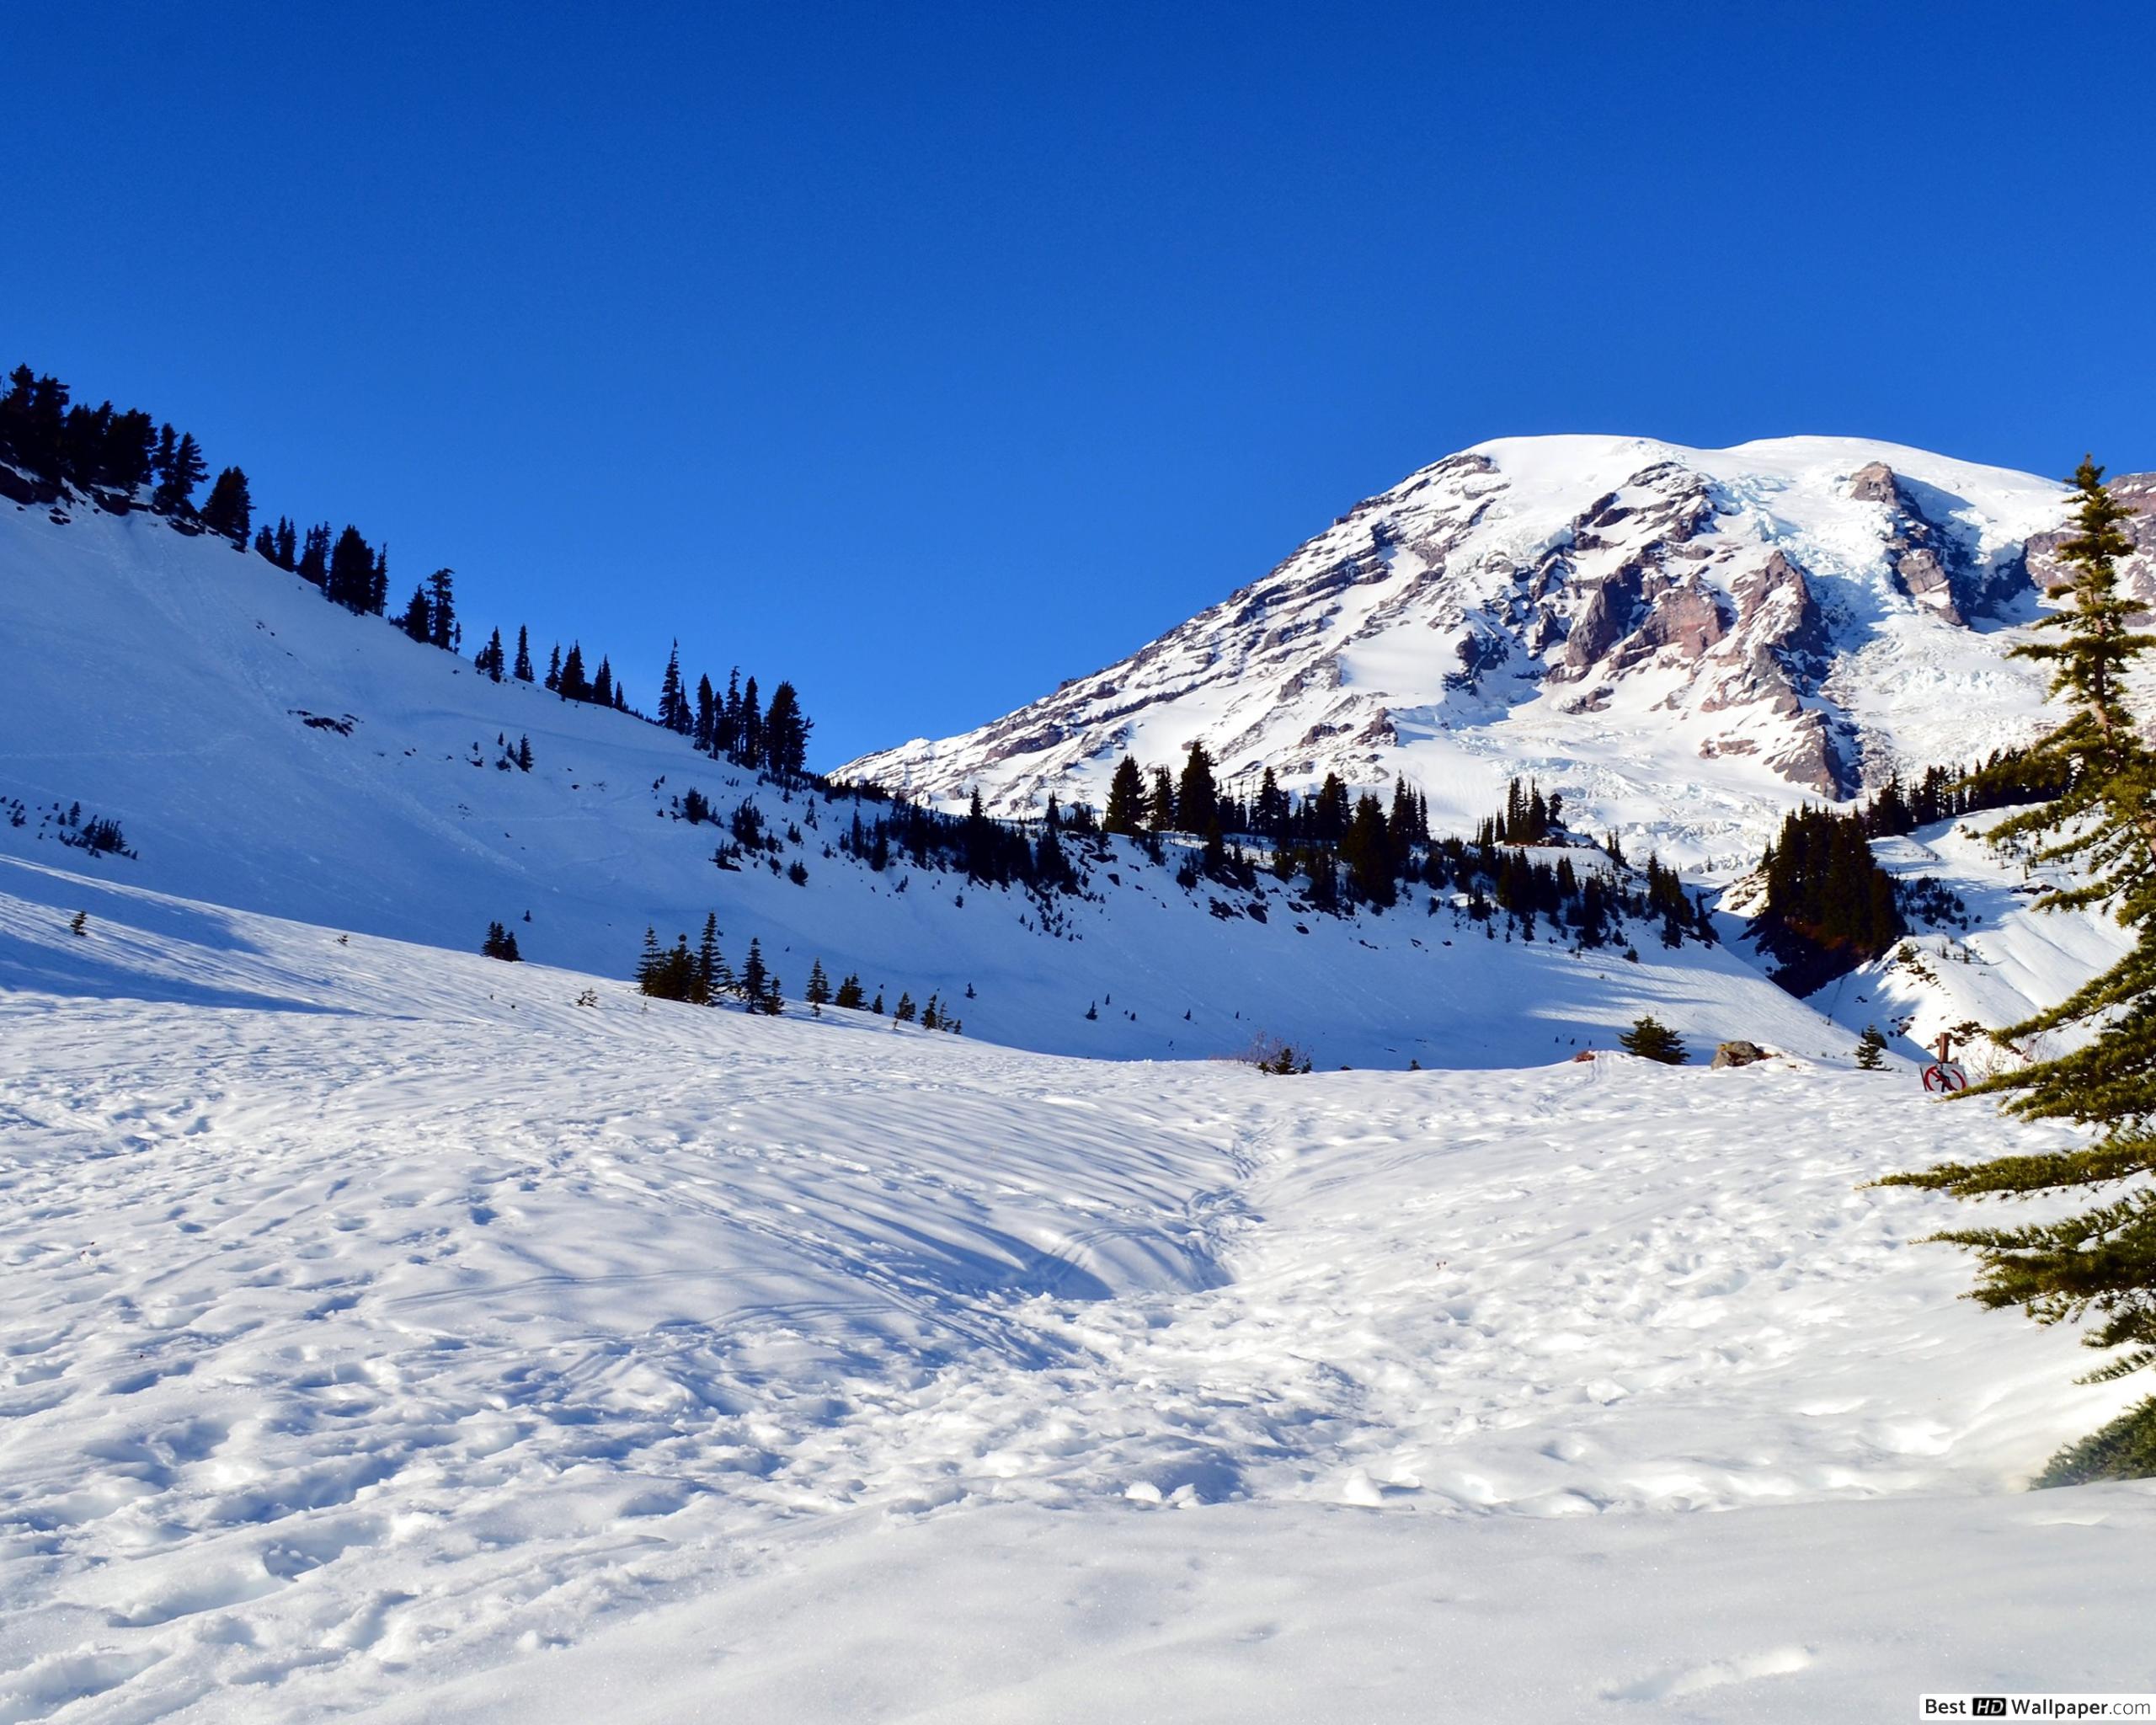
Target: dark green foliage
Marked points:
2126	1449
522	672
904	1012
817	993
500	944
850	995
2101	1264
179	468
415	622
1829	906
670	973
1651	1039
1871	1048
230	509
490	659
442	609
1126	805
348	581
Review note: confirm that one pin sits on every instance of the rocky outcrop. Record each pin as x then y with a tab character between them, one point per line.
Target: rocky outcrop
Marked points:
1654	607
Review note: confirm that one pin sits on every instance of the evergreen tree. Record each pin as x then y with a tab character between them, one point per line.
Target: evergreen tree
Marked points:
522	673
1870	1049
2101	1262
850	995
786	735
230	510
1126	805
500	944
1652	1040
288	541
179	468
313	564
350	581
378	591
441	608
713	974
673	710
490	657
755	976
819	991
904	1012
554	669
415	623
1198	795
524	754
571	683
602	684
1160	814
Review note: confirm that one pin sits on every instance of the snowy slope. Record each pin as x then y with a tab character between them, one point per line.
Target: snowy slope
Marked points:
1685	642
167	683
386	1335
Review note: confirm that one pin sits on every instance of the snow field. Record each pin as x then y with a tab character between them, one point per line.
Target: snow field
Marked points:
387	1334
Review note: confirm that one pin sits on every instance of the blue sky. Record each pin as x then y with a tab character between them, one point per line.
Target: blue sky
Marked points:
931	355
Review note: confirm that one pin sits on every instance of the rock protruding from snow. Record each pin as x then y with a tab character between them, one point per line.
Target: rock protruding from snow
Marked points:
1685	641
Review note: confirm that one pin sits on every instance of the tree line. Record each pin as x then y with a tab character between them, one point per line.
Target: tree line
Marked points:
113	455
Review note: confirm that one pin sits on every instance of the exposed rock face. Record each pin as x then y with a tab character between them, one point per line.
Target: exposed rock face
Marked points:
1731	627
1738	1053
2137	573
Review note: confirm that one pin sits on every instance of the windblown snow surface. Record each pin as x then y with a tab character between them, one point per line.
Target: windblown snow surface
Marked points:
387	1335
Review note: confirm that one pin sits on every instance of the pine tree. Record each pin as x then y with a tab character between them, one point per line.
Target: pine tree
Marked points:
554	669
1652	1040
819	991
490	657
179	468
786	735
755	977
230	510
850	995
904	1012
522	673
673	710
415	622
711	973
524	754
1126	805
441	608
1870	1049
1161	815
2101	1262
348	581
1197	794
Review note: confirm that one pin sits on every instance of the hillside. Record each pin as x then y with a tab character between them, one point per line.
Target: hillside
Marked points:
265	750
1685	643
392	1337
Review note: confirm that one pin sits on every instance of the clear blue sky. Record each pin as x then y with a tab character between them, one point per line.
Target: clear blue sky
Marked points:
931	355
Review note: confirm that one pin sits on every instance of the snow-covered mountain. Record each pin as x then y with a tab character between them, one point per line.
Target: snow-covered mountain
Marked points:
1685	642
267	751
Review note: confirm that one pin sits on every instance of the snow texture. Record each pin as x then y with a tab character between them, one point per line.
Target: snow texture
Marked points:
388	1335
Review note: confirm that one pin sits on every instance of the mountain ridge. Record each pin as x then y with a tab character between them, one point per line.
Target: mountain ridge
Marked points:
1686	642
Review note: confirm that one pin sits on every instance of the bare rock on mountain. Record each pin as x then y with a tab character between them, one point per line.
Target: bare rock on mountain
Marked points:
1681	640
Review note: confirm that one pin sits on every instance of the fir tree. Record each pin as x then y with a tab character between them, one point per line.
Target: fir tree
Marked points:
819	991
1652	1040
230	510
786	735
415	623
1160	814
522	673
349	578
179	468
850	995
524	754
904	1012
554	669
1126	806
441	608
1870	1049
673	710
711	973
2102	1261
